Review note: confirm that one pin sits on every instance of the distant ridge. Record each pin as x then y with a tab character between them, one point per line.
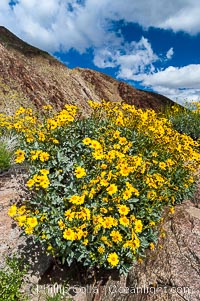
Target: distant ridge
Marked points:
9	40
32	77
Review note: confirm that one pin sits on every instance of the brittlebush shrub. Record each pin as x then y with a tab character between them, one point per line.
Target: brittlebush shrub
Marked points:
99	184
186	119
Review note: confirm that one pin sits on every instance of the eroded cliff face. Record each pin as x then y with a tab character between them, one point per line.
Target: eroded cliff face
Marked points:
32	77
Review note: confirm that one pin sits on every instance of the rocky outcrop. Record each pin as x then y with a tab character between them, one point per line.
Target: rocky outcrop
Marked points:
172	271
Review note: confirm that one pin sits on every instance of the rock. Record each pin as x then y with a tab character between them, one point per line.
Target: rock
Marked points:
171	271
11	239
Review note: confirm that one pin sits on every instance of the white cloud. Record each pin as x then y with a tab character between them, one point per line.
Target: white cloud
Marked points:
66	24
186	18
104	58
175	83
179	95
170	53
174	77
132	59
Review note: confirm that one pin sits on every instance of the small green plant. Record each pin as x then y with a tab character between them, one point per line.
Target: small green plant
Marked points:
11	280
7	146
57	297
5	157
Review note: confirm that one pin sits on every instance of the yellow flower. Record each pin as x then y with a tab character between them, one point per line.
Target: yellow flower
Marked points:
43	181
30	183
152	224
119	121
29	230
87	141
109	222
79	234
49	248
43	236
151	195
122	140
85	242
55	141
51	124
191	180
12	210
104	166
19	153
21	110
41	136
95	144
44	172
32	222
116	134
151	246
61	224
127	194
103	210
162	165
124	221
136	242
116	236
35	154
112	189
172	210
43	217
101	249
22	209
44	156
138	225
69	234
21	220
20	159
80	172
77	200
125	170
98	155
69	215
123	209
113	259
104	182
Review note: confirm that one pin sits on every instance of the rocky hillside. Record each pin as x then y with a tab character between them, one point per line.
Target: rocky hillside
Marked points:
30	76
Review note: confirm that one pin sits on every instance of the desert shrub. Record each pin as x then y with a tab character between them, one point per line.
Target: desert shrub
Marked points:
187	119
99	184
11	280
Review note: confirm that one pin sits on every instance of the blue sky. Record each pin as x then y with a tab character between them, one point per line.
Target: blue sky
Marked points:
151	44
